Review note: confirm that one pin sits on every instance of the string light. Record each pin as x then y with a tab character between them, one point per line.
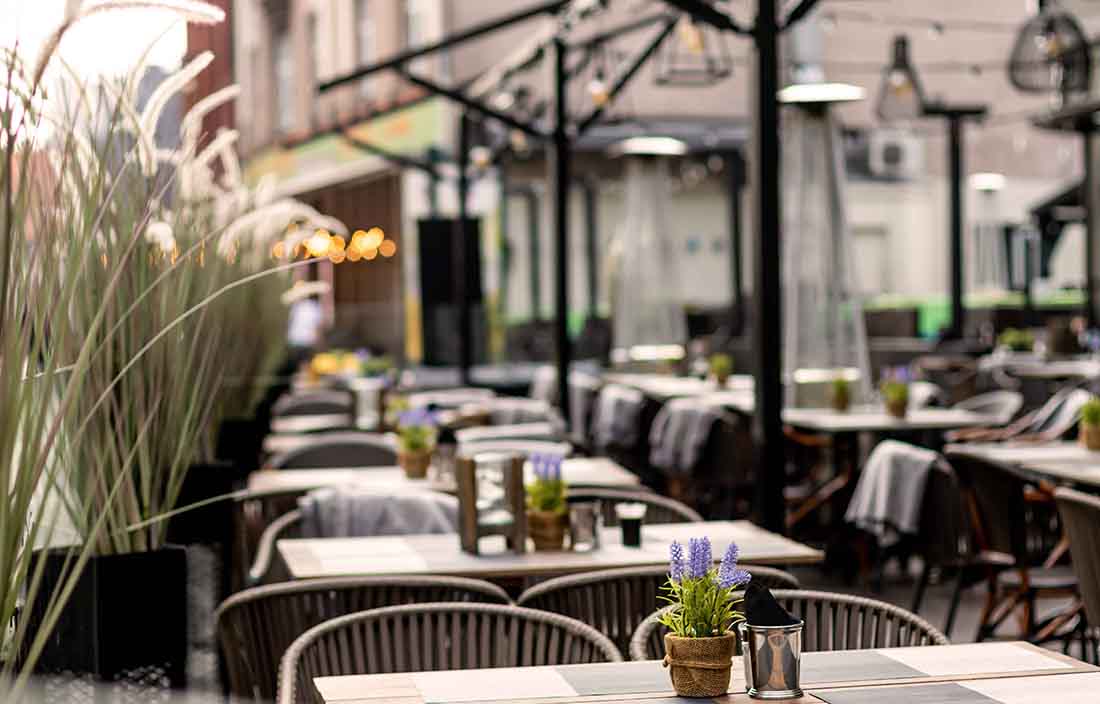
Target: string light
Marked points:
388	248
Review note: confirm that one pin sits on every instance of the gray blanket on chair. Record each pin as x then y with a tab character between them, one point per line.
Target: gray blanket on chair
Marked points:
618	414
888	497
679	434
347	512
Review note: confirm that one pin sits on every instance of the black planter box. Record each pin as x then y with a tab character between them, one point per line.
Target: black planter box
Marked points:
126	622
210	524
240	442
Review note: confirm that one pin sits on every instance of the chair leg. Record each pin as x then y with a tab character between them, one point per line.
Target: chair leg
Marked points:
922	584
956	597
985	628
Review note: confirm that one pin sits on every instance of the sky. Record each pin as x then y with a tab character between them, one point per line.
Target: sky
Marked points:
109	43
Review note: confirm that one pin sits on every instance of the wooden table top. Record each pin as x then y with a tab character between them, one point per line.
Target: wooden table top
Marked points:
663	387
876	419
581	471
1059	462
440	554
310	423
977	673
277	444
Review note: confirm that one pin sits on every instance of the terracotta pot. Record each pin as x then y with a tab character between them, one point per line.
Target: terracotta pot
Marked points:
547	529
897	408
840	400
721	380
415	464
1089	436
700	667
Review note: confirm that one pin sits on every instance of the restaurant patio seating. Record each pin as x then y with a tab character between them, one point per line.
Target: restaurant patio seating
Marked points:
309	403
616	601
957	375
659	509
257	625
424	637
1081	519
350	449
1006	524
347	513
1002	404
833	622
1051	421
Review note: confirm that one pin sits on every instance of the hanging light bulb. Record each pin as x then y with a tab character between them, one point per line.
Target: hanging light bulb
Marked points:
690	35
481	157
598	90
900	95
518	139
1051	54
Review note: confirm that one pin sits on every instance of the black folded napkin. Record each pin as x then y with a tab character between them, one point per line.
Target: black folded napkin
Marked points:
447	436
761	608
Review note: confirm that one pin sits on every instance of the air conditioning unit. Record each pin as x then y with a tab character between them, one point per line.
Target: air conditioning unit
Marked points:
895	155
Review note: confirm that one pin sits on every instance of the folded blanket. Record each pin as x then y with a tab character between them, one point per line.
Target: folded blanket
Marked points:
618	412
888	497
680	433
347	512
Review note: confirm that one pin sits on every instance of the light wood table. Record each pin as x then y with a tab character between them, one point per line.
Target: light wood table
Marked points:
440	554
1059	462
278	444
579	472
984	673
310	423
662	387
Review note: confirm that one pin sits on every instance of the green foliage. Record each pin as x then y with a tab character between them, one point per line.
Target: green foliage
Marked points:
547	495
721	365
1090	412
841	387
895	392
704	608
416	438
375	366
1016	340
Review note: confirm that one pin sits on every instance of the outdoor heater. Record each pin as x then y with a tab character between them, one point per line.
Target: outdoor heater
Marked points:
646	309
824	330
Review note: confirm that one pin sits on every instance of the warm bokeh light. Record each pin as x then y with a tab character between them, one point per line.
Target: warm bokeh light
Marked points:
374	238
337	256
354	254
319	244
370	254
279	250
338	243
388	248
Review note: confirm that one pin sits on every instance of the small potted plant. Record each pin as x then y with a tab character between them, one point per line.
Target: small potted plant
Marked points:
895	397
416	433
1089	427
721	367
547	511
1015	340
840	393
705	607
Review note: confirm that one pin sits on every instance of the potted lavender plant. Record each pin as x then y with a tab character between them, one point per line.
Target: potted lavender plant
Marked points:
416	433
705	606
547	511
1089	425
840	393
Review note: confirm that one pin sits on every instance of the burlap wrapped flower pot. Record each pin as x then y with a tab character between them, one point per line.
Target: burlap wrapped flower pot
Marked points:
700	667
547	529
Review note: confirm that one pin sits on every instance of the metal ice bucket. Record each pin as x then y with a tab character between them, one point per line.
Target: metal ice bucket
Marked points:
773	659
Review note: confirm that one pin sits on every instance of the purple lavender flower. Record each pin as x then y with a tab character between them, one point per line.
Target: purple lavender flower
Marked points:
676	564
700	557
729	574
553	463
415	418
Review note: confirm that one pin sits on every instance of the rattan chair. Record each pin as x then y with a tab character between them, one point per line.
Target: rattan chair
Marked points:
659	509
314	403
833	622
615	602
1009	527
349	449
256	626
436	637
1081	520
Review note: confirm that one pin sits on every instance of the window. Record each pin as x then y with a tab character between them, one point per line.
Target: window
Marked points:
364	40
284	82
